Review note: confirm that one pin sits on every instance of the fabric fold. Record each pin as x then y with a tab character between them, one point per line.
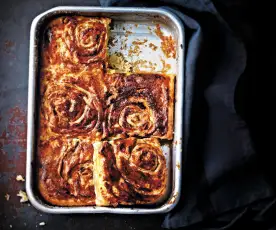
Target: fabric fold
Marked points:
219	159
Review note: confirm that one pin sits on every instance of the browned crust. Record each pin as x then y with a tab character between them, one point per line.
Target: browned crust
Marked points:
130	171
169	135
72	103
140	105
66	172
75	95
76	40
69	202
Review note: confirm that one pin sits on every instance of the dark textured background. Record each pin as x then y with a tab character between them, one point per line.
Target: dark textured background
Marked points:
243	16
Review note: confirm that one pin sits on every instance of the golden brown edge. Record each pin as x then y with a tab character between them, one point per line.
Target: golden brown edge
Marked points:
100	190
162	197
171	105
61	202
169	136
42	188
45	130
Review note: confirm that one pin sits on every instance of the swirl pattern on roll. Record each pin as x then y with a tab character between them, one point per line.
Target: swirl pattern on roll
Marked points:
140	105
130	171
99	132
72	106
66	173
76	40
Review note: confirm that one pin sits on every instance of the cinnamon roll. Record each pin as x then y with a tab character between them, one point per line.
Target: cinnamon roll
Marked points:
72	105
140	105
99	132
129	171
76	39
66	172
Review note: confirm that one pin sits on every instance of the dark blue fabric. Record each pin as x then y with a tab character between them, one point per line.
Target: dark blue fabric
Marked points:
220	172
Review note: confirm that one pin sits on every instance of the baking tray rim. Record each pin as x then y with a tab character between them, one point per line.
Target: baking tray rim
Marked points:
177	142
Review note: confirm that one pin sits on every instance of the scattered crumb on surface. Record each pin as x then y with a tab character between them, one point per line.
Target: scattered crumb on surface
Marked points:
141	65
167	43
134	51
139	42
112	41
118	62
42	223
123	43
128	32
9	43
136	25
23	195
165	66
176	142
173	198
137	65
178	165
153	47
7	196
124	46
168	47
20	178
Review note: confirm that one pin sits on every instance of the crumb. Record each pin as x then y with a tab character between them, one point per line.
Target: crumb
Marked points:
178	165
134	51
20	178
112	41
141	65
165	67
153	47
158	31
173	199
7	196
124	44
128	32
167	43
23	195
139	42
168	47
118	62
42	223
9	44
136	25
137	65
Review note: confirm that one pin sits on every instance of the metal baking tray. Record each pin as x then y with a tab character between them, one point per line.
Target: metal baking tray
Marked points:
140	22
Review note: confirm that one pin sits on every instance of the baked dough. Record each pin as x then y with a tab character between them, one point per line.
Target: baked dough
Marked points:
76	40
66	172
140	105
99	132
72	104
130	171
